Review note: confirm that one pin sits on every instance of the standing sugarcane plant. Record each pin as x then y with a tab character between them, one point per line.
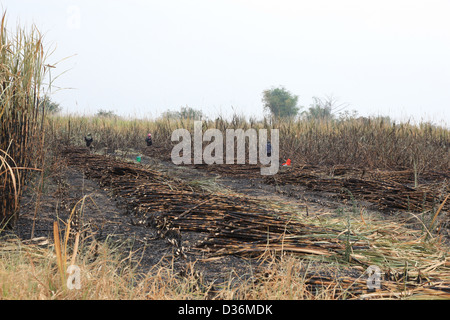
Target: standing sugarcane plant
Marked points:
22	71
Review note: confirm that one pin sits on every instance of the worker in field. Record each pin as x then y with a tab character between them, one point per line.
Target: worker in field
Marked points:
88	140
149	139
269	149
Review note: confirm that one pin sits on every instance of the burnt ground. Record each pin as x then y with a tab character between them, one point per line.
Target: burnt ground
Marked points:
107	217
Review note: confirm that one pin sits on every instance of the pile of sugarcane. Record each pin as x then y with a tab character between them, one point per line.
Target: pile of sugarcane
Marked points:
234	224
388	190
356	288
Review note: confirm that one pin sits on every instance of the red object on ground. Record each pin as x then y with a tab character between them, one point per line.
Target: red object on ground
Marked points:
287	163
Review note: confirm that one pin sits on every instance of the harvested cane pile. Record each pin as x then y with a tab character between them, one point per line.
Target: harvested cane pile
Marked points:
236	225
387	190
163	152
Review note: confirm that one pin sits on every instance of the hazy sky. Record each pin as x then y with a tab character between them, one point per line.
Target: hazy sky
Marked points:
141	58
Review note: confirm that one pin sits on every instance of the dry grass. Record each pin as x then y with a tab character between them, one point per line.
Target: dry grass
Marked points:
10	179
30	272
361	143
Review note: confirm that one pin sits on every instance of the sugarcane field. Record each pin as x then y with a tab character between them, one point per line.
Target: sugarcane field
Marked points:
285	202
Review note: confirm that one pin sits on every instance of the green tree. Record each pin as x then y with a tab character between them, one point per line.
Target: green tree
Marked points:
280	102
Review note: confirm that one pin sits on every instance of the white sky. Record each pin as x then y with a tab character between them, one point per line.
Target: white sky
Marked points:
140	58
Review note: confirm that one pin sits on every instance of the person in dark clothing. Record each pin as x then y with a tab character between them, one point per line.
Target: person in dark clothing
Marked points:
88	140
149	139
269	149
